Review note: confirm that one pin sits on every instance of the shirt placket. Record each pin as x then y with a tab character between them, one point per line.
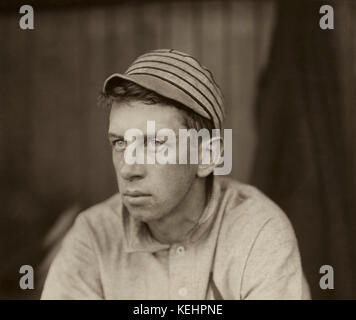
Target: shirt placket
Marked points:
181	272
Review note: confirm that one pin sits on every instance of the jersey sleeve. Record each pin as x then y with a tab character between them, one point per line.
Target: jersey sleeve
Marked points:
273	269
74	273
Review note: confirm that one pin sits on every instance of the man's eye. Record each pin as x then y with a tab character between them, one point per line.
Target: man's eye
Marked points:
155	142
159	142
119	145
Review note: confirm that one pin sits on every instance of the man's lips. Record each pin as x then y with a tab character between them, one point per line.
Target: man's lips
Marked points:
136	194
136	197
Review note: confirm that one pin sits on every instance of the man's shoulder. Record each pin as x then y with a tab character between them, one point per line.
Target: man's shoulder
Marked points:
248	210
257	249
107	209
248	199
103	220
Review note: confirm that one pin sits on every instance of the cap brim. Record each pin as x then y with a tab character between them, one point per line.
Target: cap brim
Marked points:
159	86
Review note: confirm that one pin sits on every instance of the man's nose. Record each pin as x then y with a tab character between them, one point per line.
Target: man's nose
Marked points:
132	171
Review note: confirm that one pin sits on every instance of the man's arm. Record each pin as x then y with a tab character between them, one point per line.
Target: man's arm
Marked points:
273	269
74	273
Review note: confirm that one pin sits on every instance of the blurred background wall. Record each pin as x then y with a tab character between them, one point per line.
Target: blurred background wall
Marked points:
305	118
55	156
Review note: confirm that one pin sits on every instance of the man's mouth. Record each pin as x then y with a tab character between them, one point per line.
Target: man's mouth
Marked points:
136	197
136	193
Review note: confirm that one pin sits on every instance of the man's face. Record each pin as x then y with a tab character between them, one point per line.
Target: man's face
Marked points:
149	191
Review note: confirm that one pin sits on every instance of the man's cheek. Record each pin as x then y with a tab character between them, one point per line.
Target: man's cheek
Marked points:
117	161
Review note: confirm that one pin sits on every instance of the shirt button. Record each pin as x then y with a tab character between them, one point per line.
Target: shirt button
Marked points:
183	292
180	250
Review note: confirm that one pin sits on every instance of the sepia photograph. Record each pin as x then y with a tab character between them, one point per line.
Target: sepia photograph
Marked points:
178	150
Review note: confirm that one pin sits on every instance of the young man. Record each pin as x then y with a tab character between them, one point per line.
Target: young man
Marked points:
174	231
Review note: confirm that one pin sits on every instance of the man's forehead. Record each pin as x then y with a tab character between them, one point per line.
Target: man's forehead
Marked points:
136	114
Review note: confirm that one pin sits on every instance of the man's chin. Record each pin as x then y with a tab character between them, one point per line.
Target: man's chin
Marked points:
144	215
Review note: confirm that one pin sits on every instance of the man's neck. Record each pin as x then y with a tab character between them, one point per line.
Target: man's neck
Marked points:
175	227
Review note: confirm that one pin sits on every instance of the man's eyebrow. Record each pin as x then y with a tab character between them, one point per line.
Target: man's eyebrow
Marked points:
113	135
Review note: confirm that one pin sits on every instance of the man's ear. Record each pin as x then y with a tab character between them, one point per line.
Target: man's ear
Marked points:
210	153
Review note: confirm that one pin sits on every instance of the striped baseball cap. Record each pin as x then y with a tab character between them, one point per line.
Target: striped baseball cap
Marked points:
177	76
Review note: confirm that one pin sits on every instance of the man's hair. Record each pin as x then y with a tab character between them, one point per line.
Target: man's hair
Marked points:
129	91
